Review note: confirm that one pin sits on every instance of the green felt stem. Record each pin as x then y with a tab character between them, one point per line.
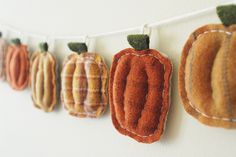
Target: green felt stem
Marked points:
16	41
139	41
78	47
227	14
43	46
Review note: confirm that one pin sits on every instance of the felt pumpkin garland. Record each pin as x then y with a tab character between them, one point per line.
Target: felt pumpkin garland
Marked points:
3	46
84	82
17	65
207	71
139	90
43	79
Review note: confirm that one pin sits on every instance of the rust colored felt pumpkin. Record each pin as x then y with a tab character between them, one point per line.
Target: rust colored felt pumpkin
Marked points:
43	79
3	46
17	65
139	90
207	74
84	83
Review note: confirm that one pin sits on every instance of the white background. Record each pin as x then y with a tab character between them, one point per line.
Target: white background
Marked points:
26	131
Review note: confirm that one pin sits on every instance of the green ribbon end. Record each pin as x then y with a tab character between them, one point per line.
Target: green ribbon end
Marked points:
16	41
43	46
139	41
227	14
78	47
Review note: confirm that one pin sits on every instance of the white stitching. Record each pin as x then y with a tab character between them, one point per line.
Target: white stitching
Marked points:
197	110
162	94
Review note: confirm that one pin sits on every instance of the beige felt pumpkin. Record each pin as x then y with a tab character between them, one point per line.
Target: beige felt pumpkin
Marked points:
43	79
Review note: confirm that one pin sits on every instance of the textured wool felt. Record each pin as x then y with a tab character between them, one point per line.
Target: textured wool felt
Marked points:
43	80
139	93
84	85
3	47
207	75
17	66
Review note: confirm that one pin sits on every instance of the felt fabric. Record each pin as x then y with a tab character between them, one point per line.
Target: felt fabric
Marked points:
43	80
17	66
3	46
139	93
207	74
84	85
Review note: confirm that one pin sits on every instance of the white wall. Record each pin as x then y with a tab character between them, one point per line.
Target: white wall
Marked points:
26	131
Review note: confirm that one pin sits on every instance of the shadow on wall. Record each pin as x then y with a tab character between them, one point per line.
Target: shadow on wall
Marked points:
175	114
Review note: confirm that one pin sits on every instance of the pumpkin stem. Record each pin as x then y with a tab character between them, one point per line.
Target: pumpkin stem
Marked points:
16	41
139	41
0	34
78	47
227	14
43	46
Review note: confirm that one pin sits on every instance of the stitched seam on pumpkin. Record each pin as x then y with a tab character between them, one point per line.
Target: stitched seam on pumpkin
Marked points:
65	98
103	91
84	76
225	77
162	95
86	89
92	114
2	62
190	103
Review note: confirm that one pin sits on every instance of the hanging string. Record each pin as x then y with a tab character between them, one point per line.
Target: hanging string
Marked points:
151	25
86	40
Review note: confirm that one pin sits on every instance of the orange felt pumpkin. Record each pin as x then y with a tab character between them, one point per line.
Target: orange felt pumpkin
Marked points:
43	79
17	65
139	90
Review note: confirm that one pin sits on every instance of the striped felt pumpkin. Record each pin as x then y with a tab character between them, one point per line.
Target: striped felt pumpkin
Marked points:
3	46
43	79
84	81
17	65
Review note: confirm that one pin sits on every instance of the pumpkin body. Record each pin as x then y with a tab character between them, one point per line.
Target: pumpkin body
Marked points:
139	93
3	47
207	75
43	81
84	85
17	66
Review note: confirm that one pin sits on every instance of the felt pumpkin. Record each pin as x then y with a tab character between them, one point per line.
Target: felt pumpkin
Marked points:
43	79
139	90
17	65
207	71
3	46
84	81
